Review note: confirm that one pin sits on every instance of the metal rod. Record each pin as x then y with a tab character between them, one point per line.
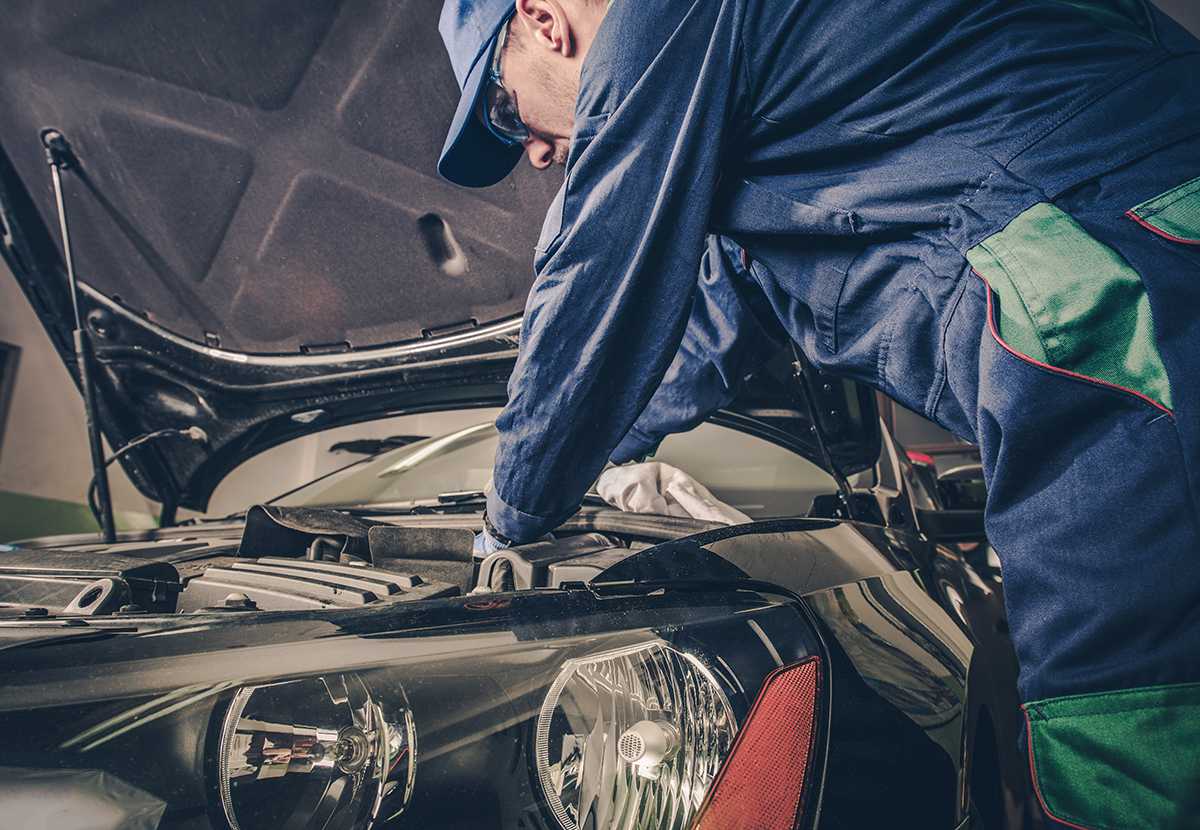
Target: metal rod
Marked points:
59	157
845	491
68	254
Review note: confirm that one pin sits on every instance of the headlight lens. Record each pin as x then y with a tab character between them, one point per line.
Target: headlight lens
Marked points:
299	753
632	739
532	710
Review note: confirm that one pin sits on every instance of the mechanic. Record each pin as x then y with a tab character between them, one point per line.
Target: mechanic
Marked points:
987	209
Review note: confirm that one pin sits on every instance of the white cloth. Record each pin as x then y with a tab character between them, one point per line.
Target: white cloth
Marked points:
654	487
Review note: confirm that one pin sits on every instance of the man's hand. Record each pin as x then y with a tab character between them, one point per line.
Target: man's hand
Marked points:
655	487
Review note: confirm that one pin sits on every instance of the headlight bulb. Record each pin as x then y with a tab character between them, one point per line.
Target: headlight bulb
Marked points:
632	739
319	752
647	744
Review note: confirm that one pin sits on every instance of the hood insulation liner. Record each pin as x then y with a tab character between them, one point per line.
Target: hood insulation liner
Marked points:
261	174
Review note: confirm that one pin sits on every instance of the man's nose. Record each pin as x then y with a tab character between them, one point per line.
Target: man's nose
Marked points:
540	152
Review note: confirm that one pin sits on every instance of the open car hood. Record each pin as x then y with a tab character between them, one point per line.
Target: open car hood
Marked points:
263	245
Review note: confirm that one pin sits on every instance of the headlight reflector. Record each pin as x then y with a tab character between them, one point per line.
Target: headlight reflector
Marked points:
632	738
317	752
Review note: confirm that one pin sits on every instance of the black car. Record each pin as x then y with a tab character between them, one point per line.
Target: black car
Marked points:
264	252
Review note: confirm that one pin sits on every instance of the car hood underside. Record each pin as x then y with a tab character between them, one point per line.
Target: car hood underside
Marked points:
261	176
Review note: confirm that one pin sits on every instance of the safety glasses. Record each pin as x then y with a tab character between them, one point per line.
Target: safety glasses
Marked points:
500	113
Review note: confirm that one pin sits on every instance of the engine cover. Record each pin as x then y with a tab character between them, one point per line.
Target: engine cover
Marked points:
276	584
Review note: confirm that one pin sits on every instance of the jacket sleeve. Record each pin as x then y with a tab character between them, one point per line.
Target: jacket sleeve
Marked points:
722	343
617	276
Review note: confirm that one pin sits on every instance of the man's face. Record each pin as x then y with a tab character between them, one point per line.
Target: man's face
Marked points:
544	92
539	67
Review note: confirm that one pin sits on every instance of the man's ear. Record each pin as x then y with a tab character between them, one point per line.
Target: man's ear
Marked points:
547	25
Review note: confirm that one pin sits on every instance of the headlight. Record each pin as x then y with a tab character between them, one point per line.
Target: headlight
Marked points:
556	712
632	738
294	754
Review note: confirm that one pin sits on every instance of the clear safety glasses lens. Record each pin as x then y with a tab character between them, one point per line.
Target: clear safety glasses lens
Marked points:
500	112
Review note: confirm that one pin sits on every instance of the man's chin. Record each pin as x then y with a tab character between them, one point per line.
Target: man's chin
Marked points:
561	150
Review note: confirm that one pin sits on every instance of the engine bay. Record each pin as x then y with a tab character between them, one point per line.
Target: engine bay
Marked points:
290	559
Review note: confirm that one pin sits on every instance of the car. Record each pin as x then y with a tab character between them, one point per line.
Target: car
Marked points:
263	253
192	665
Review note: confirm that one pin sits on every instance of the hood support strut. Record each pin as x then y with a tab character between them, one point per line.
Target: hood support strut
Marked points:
60	157
803	369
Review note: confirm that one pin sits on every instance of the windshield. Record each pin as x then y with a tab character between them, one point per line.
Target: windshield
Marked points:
758	477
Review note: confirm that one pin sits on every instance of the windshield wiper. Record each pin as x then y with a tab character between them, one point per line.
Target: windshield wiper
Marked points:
375	446
461	497
442	501
451	499
383	508
454	498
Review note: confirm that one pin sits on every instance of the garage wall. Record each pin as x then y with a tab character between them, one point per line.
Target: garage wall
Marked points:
44	467
1186	12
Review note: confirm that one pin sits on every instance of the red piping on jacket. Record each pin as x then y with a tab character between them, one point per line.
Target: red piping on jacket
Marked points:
1095	381
1037	790
1160	231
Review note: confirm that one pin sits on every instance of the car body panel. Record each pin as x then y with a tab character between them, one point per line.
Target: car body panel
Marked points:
897	662
902	624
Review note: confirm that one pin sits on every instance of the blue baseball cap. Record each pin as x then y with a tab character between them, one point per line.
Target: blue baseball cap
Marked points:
473	156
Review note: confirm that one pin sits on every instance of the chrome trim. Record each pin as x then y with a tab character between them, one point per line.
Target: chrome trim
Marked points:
503	330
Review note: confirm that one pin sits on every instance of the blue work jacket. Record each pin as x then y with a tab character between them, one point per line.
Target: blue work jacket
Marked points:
823	166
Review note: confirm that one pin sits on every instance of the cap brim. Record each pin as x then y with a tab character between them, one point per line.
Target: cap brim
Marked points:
472	155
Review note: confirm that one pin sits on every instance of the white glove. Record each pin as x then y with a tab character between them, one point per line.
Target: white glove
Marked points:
486	544
654	487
